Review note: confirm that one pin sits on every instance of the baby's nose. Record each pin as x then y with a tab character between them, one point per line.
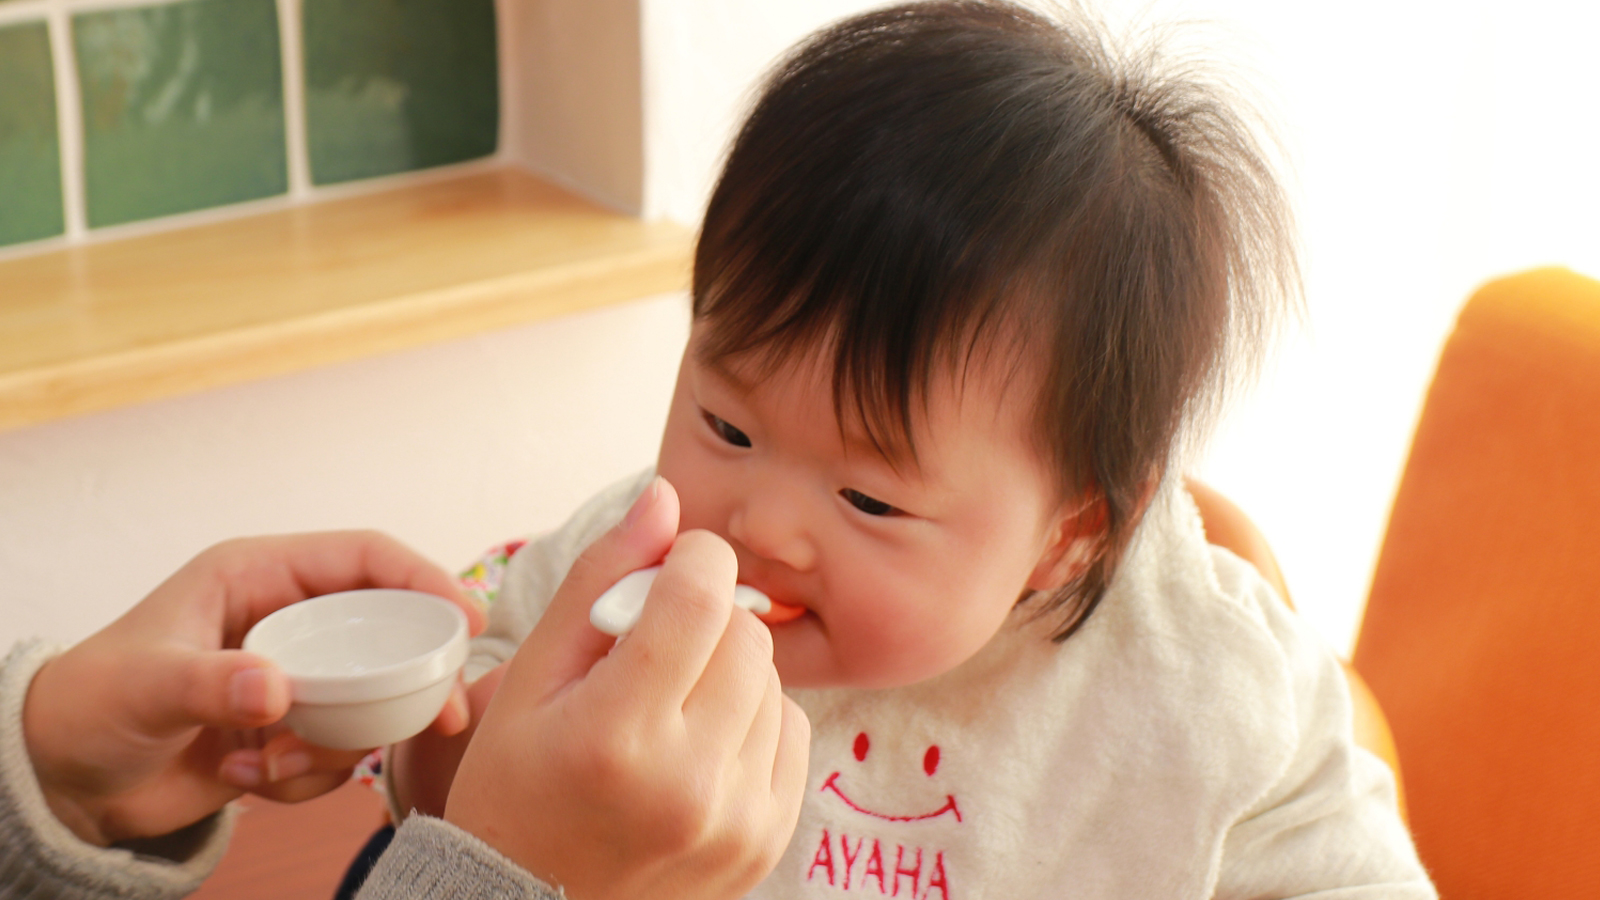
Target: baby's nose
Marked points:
772	524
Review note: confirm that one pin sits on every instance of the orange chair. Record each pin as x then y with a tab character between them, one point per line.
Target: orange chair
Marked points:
1482	632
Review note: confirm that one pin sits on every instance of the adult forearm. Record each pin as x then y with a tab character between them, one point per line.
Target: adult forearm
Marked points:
431	858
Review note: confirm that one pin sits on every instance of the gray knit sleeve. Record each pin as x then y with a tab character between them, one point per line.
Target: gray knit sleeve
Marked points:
41	859
431	858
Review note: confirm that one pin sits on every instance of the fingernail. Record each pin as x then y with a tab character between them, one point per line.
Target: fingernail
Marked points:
645	501
288	765
247	692
458	705
240	773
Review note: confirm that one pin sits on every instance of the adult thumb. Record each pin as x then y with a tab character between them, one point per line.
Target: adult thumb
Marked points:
564	646
218	688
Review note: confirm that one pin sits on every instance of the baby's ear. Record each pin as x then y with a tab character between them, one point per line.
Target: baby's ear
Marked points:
1074	537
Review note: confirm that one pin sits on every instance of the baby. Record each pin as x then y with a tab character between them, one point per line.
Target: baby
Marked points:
967	283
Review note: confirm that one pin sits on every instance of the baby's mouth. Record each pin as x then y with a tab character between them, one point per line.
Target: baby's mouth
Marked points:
781	613
776	613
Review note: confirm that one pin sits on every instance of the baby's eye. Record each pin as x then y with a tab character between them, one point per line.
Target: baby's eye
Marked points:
869	505
727	432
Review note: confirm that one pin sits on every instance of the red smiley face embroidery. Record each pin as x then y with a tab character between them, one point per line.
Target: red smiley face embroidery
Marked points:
930	765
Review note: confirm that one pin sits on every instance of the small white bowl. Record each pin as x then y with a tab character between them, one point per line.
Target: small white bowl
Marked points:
366	668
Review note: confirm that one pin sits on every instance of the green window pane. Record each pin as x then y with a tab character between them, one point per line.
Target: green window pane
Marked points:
396	85
182	107
30	160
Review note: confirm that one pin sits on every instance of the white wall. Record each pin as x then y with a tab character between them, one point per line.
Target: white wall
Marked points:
573	80
702	60
632	101
1435	146
450	448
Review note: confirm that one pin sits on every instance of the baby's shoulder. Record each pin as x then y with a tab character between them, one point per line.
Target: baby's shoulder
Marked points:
538	568
1174	585
531	574
1202	637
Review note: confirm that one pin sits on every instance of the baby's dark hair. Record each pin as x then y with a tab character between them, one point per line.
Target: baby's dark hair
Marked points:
926	184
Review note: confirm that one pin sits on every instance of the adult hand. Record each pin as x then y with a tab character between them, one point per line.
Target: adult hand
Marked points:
142	729
669	764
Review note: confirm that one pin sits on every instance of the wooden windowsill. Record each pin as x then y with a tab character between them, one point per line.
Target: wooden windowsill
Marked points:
106	325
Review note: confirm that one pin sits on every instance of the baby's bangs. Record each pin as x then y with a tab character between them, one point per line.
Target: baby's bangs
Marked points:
889	317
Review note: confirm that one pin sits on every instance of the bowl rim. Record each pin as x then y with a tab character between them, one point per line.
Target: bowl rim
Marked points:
407	676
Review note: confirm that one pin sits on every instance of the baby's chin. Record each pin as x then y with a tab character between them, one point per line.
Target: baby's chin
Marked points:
803	655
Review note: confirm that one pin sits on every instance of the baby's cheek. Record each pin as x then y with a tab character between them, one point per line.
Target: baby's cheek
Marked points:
908	645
